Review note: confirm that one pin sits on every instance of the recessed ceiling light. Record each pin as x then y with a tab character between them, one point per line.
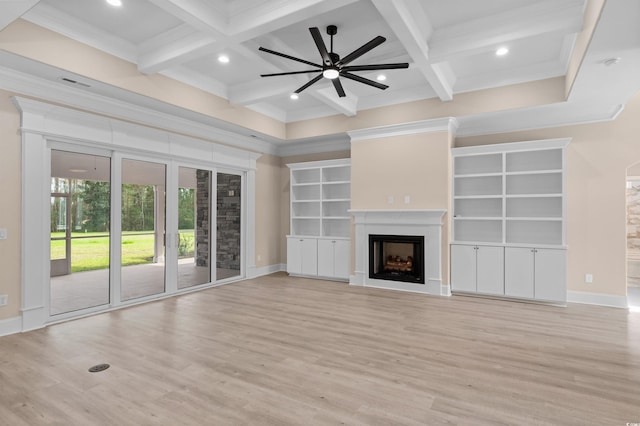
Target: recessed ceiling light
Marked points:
294	96
502	51
223	58
116	3
381	77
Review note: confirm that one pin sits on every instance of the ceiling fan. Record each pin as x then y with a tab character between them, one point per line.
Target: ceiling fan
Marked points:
333	66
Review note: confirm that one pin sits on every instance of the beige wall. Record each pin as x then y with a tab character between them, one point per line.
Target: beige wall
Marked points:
597	159
497	99
417	166
268	211
634	170
10	211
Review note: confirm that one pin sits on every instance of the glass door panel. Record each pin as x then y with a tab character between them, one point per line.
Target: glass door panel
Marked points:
80	231
194	221
229	225
60	235
143	229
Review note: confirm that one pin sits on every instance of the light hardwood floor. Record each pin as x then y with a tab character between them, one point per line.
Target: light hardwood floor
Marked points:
280	350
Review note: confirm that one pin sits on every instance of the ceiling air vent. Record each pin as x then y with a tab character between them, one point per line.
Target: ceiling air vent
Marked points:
73	82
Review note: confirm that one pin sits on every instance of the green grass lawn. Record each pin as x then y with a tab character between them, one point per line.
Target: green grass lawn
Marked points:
93	253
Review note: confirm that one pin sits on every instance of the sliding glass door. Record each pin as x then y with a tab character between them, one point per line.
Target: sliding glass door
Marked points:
142	221
229	225
80	231
199	227
194	227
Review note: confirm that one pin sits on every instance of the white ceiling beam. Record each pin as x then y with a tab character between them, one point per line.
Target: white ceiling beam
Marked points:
479	35
172	48
347	105
407	20
228	33
271	16
10	10
200	14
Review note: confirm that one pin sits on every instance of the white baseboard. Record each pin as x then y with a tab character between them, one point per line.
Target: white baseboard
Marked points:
266	270
445	290
10	326
597	299
357	279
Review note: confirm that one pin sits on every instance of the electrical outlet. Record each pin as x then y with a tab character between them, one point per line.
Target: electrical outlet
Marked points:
588	278
259	258
3	233
4	299
390	199
407	199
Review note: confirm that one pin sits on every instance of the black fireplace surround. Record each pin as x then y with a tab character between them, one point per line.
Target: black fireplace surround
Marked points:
396	258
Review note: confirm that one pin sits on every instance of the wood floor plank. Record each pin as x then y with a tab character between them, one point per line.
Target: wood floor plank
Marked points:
281	350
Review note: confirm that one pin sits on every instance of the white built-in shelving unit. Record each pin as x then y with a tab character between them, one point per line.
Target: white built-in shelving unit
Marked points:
320	222
507	197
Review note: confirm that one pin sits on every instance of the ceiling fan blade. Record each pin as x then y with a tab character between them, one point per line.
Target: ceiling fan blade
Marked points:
322	48
362	50
363	80
288	73
375	67
273	52
338	86
309	83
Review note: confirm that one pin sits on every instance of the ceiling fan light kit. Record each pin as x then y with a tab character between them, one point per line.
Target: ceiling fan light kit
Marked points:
333	67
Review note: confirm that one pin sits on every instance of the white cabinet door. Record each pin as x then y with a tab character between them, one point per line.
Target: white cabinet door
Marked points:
294	255
325	258
518	272
463	268
334	258
342	259
490	270
550	275
302	256
309	250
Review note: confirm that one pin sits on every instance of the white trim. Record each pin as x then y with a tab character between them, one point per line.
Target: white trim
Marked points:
57	122
540	144
320	164
597	299
259	271
447	124
445	290
10	326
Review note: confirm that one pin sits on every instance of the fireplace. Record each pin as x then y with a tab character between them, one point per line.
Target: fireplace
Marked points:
426	262
397	258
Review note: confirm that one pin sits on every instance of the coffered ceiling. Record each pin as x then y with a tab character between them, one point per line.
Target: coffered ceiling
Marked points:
450	46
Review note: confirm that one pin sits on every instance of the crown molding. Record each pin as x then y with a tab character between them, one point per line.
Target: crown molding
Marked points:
447	124
178	121
59	122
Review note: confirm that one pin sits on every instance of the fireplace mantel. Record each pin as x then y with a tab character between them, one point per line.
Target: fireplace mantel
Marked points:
427	223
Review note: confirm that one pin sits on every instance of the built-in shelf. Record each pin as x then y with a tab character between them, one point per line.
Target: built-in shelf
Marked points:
508	221
319	240
515	193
